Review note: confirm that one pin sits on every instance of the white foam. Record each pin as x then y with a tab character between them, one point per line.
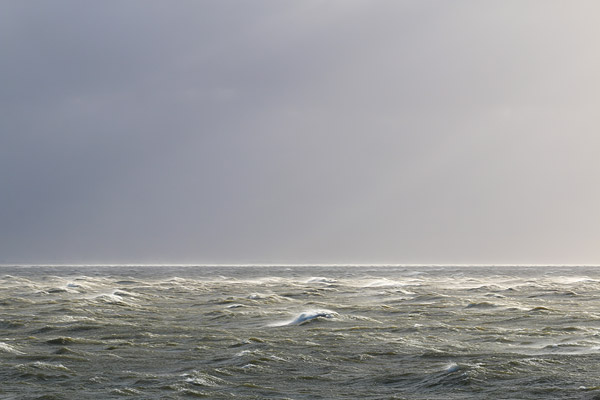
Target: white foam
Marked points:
114	297
7	348
71	318
50	366
246	353
202	379
111	297
320	279
382	283
126	391
73	285
451	367
268	298
307	316
572	280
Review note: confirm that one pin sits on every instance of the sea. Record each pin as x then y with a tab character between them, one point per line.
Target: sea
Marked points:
299	332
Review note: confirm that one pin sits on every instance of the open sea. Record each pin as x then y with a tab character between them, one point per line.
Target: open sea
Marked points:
299	332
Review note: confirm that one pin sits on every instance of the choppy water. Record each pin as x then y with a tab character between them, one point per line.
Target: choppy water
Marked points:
300	333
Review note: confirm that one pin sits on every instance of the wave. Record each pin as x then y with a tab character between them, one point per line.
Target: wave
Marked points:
202	379
382	283
573	348
481	304
7	348
307	316
44	371
451	375
115	297
321	279
451	367
267	298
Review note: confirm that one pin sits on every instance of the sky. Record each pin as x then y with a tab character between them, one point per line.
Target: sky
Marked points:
309	131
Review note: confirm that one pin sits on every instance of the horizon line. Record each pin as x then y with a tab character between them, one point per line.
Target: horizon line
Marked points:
289	265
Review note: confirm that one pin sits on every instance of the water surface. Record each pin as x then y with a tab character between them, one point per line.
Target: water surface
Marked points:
300	332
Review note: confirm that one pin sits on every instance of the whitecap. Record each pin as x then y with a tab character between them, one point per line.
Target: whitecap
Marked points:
307	316
382	283
126	391
115	297
7	348
451	367
109	297
72	318
245	353
50	366
268	298
73	285
320	279
572	280
202	379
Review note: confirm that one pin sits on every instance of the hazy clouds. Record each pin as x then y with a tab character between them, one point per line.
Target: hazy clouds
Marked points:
306	131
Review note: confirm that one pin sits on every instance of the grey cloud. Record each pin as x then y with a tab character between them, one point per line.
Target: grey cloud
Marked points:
313	131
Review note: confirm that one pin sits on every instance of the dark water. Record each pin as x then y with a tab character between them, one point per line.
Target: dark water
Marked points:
300	332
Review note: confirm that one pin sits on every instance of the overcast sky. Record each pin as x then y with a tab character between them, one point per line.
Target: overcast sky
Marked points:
300	131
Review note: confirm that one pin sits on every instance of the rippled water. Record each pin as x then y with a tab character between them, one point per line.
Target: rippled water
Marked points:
300	332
